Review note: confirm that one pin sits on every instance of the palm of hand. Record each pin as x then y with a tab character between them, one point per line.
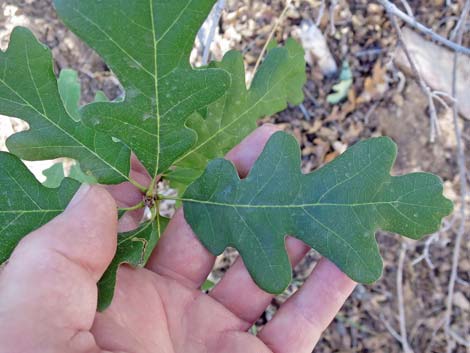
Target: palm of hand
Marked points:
153	313
48	290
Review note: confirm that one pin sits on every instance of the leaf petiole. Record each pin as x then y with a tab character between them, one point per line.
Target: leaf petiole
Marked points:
132	208
138	185
171	198
153	185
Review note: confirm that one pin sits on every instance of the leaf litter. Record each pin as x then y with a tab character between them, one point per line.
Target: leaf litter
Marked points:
364	36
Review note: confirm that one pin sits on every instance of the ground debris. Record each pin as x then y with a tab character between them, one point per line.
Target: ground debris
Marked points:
381	100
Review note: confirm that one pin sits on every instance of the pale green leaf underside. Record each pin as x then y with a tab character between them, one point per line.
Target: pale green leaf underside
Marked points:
147	45
336	209
70	92
133	248
55	174
29	91
231	118
25	204
340	90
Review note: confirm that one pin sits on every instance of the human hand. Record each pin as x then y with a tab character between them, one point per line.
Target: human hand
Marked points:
48	292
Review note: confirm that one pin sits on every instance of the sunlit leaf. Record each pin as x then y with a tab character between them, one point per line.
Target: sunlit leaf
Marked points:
336	209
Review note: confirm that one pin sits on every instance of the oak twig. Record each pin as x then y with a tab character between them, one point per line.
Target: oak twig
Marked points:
401	302
332	16
321	11
276	25
434	123
451	335
214	17
411	21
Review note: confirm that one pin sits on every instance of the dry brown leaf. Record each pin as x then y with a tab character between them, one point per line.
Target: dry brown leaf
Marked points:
317	124
330	156
376	85
321	148
339	113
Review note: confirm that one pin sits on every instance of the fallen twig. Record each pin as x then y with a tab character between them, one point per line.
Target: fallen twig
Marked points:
457	338
462	282
265	47
390	329
429	241
401	302
434	123
367	52
332	16
463	192
305	111
215	17
407	7
425	255
320	13
433	336
460	23
411	21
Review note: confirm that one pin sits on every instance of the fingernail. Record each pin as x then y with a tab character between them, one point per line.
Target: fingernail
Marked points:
79	196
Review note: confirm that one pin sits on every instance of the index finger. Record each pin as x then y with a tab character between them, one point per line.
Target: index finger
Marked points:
300	321
179	254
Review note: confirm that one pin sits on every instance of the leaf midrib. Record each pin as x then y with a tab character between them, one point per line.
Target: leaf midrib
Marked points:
138	63
155	81
345	241
219	131
135	236
28	104
316	204
38	210
12	178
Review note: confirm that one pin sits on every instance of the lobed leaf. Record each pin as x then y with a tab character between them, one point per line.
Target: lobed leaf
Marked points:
336	209
25	204
133	248
176	119
29	91
55	174
147	45
227	121
70	92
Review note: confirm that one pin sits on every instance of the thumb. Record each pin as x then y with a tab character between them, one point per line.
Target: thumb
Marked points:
48	290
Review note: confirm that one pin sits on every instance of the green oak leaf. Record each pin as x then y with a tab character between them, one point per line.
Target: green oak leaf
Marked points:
340	90
147	44
336	209
70	91
133	248
231	118
100	96
55	174
29	91
77	174
207	285
25	204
